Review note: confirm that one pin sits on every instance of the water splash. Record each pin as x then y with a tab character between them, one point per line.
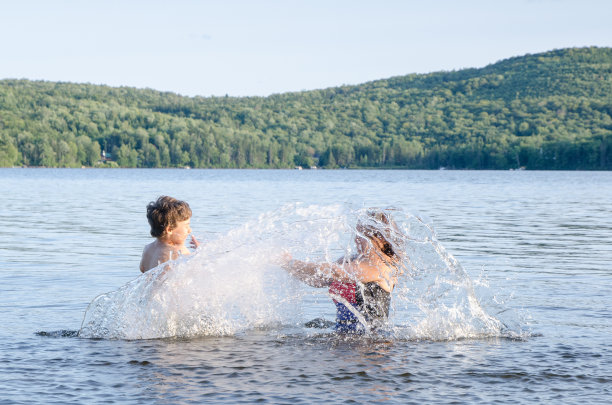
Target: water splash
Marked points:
234	283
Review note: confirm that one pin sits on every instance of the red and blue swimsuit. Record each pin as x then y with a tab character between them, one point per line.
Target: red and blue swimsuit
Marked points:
369	299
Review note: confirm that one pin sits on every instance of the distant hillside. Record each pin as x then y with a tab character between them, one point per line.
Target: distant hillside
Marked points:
545	111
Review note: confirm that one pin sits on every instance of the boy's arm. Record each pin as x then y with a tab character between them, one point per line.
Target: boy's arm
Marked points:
143	259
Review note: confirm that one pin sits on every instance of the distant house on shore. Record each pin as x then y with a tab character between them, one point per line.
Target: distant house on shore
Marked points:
106	157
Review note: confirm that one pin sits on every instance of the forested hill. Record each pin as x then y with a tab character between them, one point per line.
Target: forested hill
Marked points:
544	111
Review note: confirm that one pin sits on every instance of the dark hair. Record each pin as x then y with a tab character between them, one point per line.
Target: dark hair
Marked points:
379	224
166	212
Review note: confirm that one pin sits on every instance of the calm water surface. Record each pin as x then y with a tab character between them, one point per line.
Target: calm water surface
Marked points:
541	241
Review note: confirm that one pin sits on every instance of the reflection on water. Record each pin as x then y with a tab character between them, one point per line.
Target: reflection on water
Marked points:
534	248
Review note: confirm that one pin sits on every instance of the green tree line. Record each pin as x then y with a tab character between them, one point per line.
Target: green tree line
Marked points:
545	111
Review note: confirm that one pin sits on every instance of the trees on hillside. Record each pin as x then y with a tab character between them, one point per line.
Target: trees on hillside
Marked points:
546	111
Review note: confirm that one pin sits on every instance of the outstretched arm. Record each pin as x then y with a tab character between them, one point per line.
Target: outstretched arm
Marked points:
314	274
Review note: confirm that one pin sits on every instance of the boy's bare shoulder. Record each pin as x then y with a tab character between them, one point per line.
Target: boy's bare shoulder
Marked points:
148	247
155	253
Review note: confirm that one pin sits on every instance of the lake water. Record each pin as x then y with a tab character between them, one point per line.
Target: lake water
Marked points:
535	259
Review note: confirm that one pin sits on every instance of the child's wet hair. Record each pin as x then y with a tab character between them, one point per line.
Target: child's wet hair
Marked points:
380	225
166	212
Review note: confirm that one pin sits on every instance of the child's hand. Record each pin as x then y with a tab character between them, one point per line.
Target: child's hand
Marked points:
194	242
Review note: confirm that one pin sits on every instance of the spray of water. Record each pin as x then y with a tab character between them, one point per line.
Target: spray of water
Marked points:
438	300
235	283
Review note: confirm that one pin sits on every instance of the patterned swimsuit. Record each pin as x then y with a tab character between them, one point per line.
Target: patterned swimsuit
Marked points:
368	299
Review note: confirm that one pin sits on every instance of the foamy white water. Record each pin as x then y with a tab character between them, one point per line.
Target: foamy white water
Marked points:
234	283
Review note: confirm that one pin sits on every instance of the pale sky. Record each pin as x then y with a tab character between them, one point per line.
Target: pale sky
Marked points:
257	48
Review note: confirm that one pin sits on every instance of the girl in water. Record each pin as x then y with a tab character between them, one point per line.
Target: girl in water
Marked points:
360	285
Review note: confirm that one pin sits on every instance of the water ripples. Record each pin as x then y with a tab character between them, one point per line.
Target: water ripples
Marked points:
536	242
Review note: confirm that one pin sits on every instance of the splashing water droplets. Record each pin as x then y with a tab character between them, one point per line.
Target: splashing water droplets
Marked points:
235	283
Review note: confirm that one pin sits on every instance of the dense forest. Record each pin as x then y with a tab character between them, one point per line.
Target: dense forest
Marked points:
545	111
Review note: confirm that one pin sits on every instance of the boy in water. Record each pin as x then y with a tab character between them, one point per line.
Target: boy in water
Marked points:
169	219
